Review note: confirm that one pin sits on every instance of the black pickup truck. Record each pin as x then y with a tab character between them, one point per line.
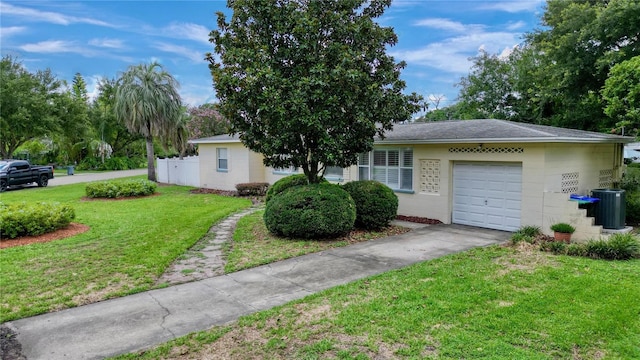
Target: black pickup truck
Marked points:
20	172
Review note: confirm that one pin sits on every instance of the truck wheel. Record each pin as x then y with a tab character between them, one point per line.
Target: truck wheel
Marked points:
3	185
43	181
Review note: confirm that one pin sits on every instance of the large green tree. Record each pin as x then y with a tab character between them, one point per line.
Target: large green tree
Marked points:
581	40
148	103
621	93
28	105
308	83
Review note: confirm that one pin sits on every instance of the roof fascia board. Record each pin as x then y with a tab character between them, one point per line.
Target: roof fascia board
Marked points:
504	141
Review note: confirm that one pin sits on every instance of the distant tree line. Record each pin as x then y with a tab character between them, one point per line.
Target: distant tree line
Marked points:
52	122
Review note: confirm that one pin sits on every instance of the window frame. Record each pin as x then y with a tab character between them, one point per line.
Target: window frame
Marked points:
367	166
219	168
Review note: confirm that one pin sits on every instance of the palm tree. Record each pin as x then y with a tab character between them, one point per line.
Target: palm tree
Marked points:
148	103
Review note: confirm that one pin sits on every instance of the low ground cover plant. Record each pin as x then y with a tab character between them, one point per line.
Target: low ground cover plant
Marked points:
120	188
313	211
36	218
376	203
616	247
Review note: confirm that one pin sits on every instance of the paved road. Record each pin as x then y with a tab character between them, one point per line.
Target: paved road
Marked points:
146	319
87	177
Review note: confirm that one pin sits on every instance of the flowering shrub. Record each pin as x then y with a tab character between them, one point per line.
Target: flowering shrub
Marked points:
21	219
121	188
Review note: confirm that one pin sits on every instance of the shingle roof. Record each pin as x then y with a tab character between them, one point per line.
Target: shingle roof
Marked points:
491	130
467	131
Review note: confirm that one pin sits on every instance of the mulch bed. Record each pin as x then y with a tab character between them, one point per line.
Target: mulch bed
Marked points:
417	219
72	229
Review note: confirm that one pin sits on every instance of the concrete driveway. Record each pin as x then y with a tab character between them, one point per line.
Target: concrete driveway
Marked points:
150	318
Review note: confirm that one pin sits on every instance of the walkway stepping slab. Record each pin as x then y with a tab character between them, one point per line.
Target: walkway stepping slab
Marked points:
147	319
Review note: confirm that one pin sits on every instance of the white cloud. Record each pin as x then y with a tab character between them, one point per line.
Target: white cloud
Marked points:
5	32
442	24
107	43
52	46
514	6
451	55
516	26
183	51
47	16
187	31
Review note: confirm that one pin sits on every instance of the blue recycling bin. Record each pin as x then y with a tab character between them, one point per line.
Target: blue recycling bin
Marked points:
70	170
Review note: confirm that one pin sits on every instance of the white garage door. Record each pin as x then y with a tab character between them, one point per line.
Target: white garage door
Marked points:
487	195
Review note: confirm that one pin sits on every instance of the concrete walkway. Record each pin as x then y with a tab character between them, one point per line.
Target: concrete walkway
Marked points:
143	320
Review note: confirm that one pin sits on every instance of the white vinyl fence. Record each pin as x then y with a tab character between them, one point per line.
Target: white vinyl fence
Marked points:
179	172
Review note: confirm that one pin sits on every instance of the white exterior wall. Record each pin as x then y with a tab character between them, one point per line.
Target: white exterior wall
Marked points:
575	168
238	164
542	168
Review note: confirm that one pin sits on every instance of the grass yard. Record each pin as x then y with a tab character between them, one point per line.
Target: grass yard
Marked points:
496	302
253	245
131	242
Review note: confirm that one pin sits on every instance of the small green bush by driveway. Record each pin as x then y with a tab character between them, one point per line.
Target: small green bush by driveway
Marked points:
120	188
376	203
20	219
311	212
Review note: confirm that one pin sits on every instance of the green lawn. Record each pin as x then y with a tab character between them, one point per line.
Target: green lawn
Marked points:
130	243
253	245
493	303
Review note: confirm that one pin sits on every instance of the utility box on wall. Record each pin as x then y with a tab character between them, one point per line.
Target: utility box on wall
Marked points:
610	211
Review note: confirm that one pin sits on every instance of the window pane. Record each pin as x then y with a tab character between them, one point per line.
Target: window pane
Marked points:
363	173
222	164
393	178
333	171
407	158
407	179
363	159
394	158
380	158
380	174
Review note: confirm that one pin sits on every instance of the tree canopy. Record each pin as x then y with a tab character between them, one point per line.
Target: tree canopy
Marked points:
556	76
28	105
148	103
308	83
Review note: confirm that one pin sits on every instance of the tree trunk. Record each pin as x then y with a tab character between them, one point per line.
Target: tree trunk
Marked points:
151	157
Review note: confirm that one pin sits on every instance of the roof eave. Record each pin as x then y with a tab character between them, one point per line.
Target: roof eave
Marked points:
205	141
509	140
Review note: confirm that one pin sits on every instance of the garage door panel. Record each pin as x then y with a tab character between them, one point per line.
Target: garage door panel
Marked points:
487	195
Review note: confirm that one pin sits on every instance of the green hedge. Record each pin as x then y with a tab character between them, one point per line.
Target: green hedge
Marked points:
376	203
23	219
311	211
120	188
287	182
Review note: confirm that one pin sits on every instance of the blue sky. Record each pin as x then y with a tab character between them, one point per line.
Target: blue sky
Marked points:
102	38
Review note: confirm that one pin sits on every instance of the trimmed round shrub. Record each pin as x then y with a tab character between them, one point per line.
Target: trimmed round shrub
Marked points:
22	219
120	188
312	211
287	182
376	203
